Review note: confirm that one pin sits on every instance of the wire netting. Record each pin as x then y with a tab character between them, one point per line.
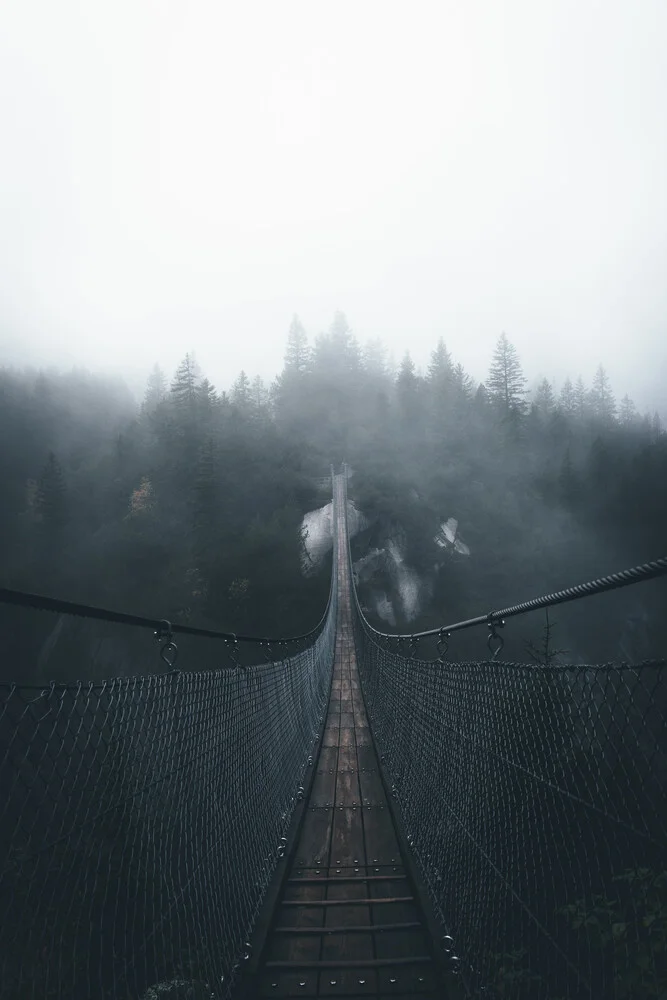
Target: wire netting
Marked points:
533	798
141	820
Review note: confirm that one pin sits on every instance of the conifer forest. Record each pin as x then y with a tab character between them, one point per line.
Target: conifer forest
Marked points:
189	505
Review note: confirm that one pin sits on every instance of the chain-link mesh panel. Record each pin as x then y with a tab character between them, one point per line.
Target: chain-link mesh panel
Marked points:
534	801
141	822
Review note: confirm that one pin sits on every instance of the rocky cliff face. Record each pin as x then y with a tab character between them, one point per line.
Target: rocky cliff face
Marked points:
393	589
317	533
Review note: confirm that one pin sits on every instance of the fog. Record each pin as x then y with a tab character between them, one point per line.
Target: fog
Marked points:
186	177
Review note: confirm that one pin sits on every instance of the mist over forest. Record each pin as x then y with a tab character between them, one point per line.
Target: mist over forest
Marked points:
472	496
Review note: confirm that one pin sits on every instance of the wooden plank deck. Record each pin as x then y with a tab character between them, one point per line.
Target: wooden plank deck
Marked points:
347	923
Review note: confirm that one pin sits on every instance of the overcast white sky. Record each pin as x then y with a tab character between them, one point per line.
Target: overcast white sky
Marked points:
186	176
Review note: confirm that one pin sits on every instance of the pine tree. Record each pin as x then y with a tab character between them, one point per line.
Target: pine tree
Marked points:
374	358
566	399
184	384
656	426
206	396
156	389
207	405
627	413
337	352
544	399
506	380
481	397
580	398
440	369
298	354
344	341
259	393
241	392
407	388
462	384
439	381
601	396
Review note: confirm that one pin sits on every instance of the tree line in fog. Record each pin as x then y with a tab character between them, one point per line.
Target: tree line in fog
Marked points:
189	506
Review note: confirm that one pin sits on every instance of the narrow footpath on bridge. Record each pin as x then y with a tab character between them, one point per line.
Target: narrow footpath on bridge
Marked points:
347	922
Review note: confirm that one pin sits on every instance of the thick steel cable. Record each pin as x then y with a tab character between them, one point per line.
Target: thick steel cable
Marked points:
41	603
624	578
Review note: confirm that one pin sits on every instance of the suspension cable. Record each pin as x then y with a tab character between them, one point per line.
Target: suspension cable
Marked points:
42	603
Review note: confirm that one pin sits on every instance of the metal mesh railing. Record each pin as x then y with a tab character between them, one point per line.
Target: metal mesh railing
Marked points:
141	820
534	802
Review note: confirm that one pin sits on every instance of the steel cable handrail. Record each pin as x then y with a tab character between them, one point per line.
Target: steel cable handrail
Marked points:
42	603
623	578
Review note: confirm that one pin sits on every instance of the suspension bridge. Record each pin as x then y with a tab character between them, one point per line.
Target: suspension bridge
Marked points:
345	813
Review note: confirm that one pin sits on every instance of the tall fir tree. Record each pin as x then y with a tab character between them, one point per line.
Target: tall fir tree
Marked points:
374	358
580	398
506	381
184	384
407	390
440	369
241	393
544	399
259	393
462	384
627	412
298	355
156	389
601	397
337	353
566	398
206	395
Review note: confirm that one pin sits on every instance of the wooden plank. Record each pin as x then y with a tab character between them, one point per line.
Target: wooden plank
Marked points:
361	963
349	929
347	838
348	846
324	783
379	836
347	759
346	878
372	789
347	900
347	738
315	839
347	789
